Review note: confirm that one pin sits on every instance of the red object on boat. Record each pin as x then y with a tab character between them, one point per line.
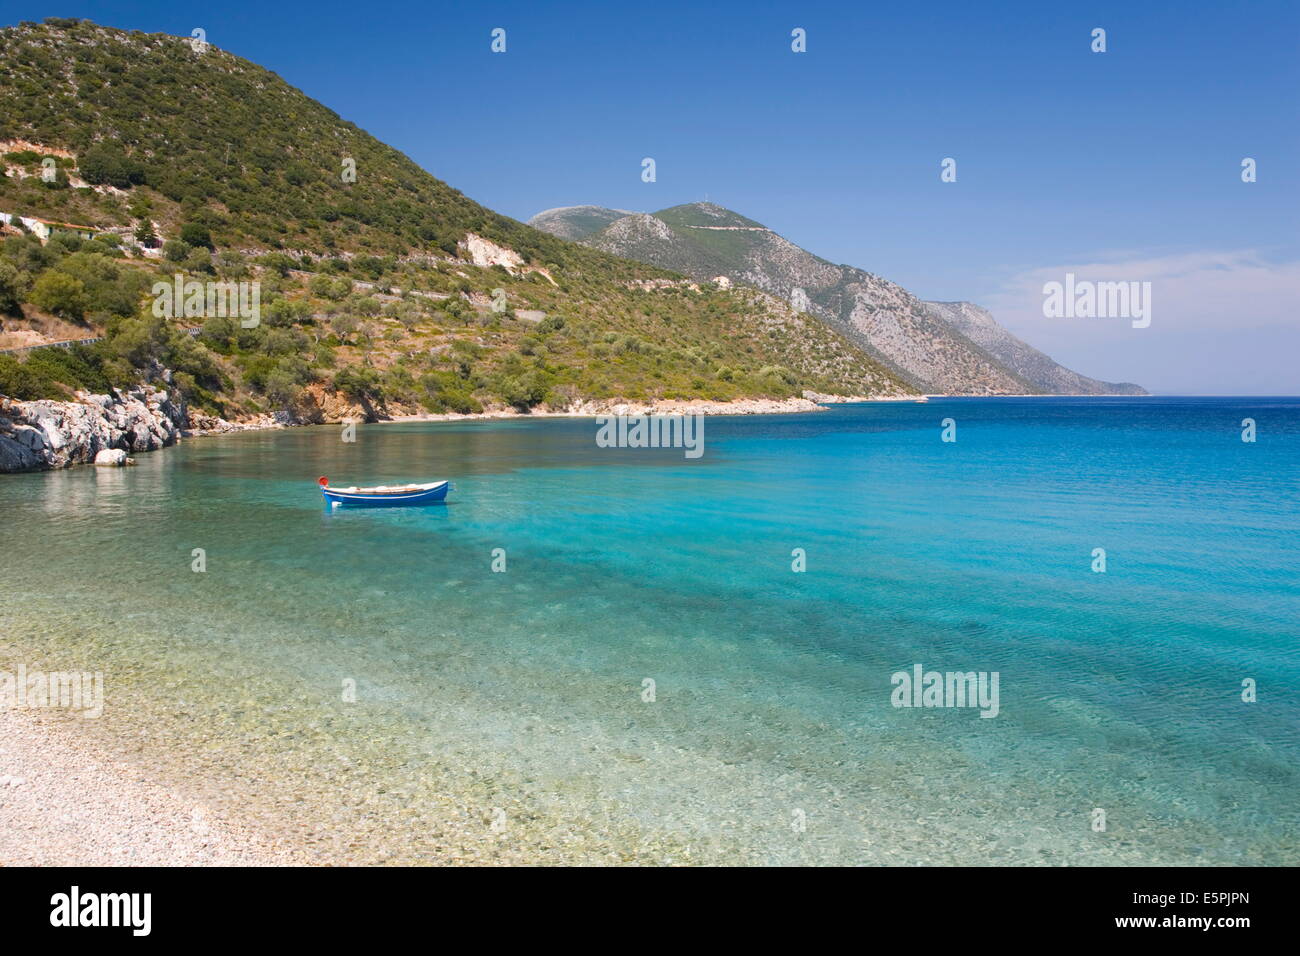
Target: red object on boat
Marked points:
323	481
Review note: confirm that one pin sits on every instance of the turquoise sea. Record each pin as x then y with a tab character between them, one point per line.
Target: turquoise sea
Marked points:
649	680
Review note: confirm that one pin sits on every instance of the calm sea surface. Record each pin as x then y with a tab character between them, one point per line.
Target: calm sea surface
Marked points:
649	680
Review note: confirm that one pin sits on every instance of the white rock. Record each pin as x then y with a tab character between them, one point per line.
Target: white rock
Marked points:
112	457
485	252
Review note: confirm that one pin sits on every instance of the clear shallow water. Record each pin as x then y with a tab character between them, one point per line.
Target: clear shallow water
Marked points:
522	691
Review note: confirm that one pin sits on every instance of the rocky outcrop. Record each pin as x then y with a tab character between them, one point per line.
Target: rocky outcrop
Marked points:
201	424
43	435
484	252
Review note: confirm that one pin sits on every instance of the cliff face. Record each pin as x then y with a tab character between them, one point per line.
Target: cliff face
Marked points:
43	435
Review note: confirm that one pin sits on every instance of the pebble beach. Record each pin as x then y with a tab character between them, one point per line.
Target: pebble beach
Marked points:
64	804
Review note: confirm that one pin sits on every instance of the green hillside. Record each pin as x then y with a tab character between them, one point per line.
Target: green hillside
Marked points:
227	144
204	164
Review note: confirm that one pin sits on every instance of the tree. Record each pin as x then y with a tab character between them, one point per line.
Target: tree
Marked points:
278	262
232	264
217	333
199	260
343	325
367	334
174	250
109	286
61	294
282	387
522	391
104	165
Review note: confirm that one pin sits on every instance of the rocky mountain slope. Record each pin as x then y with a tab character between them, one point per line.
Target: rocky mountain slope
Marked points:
921	343
980	327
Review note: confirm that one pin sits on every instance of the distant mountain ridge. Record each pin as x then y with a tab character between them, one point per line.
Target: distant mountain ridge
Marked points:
576	222
978	325
935	349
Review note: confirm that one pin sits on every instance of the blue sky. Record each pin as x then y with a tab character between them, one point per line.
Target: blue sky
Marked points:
1125	163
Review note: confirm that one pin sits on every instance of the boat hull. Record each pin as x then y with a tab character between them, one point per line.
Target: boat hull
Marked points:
426	496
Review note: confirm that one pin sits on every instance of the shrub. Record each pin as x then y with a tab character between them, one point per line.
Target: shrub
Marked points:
110	286
443	392
14	286
20	382
28	255
194	234
78	366
45	371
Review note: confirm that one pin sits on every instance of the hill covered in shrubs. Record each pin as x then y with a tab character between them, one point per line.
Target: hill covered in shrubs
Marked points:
389	291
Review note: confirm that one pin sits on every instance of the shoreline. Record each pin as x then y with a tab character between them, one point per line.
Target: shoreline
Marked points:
694	406
44	435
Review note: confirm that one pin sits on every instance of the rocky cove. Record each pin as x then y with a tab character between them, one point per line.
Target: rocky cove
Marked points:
44	435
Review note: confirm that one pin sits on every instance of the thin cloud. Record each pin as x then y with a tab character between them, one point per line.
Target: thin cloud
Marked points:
1223	322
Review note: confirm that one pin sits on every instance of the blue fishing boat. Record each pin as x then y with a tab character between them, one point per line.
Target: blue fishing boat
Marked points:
384	496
